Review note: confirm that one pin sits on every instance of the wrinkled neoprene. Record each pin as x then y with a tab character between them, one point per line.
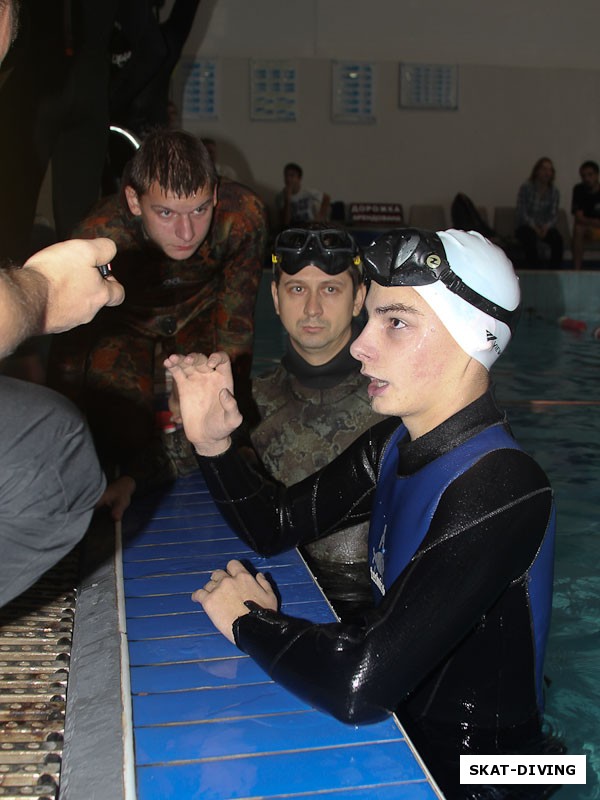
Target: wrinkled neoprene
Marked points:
456	643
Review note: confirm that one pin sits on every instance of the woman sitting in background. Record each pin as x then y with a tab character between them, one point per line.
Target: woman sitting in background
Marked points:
537	212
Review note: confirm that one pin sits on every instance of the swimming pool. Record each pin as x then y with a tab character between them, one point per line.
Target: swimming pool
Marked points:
547	380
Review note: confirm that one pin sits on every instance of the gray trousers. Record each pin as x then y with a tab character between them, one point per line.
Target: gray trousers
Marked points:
50	481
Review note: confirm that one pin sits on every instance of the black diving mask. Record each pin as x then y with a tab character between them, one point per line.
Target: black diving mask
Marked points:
330	249
413	257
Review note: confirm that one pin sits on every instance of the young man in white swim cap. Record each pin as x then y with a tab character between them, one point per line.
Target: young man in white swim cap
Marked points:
461	535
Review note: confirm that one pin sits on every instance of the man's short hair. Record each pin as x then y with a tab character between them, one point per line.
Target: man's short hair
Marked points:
294	168
590	165
176	160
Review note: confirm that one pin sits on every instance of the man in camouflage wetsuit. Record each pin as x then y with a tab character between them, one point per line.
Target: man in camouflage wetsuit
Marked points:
315	403
190	255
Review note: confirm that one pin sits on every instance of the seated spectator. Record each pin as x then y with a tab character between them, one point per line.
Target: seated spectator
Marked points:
295	204
585	208
537	213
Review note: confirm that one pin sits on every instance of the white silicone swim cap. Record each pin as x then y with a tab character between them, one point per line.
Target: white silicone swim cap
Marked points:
485	268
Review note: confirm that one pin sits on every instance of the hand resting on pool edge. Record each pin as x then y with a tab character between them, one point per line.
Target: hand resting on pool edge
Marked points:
225	595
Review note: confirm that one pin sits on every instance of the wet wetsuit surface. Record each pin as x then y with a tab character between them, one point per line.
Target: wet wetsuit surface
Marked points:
309	415
461	557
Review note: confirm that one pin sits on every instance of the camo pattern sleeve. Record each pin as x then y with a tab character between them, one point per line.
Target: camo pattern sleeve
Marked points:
112	366
239	242
108	218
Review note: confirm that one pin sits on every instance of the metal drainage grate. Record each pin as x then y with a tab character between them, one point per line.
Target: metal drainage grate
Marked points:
36	632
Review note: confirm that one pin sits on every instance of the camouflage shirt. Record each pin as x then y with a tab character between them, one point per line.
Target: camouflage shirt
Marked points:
112	366
302	428
307	419
208	297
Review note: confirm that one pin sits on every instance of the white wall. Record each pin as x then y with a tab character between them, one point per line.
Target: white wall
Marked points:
511	32
529	85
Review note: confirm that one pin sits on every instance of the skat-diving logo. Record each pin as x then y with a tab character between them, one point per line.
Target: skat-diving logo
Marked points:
494	340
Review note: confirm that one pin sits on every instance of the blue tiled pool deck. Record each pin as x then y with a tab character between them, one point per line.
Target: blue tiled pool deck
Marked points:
207	721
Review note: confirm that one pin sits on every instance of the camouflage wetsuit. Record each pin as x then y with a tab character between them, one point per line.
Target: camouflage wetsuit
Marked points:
309	415
205	303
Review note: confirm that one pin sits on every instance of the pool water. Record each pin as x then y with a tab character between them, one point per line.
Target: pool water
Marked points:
548	382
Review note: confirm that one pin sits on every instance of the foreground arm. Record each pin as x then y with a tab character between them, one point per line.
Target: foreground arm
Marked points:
265	513
271	517
454	579
57	289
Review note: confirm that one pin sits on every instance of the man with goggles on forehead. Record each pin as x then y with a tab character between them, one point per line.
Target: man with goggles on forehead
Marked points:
315	403
461	538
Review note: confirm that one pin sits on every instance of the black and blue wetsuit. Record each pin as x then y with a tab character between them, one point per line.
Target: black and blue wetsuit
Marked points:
461	550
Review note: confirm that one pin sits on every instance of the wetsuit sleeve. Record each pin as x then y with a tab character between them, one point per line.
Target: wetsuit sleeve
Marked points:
485	533
271	517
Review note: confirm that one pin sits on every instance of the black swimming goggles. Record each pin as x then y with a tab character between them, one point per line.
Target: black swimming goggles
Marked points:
412	257
330	249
